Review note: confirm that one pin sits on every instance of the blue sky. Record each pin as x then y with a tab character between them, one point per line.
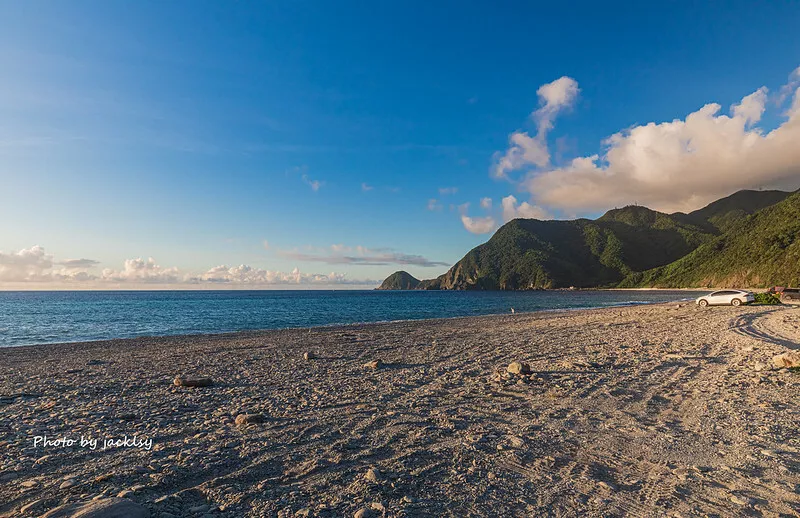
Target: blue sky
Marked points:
349	136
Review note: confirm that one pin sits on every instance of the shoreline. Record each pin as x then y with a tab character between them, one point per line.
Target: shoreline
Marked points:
232	334
643	410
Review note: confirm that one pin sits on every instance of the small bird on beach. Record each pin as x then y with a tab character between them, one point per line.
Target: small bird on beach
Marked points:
512	311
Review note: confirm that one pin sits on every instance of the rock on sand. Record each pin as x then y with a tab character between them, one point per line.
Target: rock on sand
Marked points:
192	382
519	368
790	359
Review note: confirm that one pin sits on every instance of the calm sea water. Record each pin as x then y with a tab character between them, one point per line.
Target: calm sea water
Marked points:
52	317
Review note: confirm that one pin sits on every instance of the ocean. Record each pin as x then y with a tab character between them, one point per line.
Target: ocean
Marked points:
39	317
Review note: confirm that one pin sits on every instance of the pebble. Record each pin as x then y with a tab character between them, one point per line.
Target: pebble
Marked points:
363	513
243	419
309	356
192	382
373	475
518	368
67	484
374	365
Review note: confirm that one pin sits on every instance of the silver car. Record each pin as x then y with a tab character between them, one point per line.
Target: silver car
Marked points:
726	298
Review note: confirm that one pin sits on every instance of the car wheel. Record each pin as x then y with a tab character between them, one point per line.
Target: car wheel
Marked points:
703	303
736	302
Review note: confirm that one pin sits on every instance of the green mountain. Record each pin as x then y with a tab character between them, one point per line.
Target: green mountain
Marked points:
530	254
724	214
629	247
758	250
400	281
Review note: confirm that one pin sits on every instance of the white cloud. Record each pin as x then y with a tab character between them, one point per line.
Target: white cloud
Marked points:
433	204
790	88
486	203
35	266
244	274
139	270
476	225
265	244
525	150
511	210
314	184
28	264
751	108
678	165
444	191
341	254
554	97
479	225
366	187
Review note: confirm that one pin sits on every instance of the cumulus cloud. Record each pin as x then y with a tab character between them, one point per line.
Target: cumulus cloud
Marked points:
525	150
477	225
341	254
444	191
29	264
677	165
244	274
433	204
512	210
34	265
509	209
143	271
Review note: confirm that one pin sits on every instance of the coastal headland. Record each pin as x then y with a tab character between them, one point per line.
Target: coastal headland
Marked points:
659	410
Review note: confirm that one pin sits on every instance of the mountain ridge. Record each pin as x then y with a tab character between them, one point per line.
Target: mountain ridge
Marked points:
632	246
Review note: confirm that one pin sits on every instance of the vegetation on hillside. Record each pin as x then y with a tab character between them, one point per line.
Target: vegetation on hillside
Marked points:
531	254
400	281
748	239
762	250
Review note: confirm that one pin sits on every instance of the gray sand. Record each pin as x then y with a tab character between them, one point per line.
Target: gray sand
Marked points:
648	411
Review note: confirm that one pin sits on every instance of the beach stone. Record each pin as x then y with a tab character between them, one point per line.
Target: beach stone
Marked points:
308	355
67	484
787	360
243	419
373	475
192	382
374	365
363	513
102	508
519	368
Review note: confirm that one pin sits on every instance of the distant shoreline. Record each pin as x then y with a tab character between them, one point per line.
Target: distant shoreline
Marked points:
248	333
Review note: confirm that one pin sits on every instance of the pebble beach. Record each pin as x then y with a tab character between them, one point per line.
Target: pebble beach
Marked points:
656	410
